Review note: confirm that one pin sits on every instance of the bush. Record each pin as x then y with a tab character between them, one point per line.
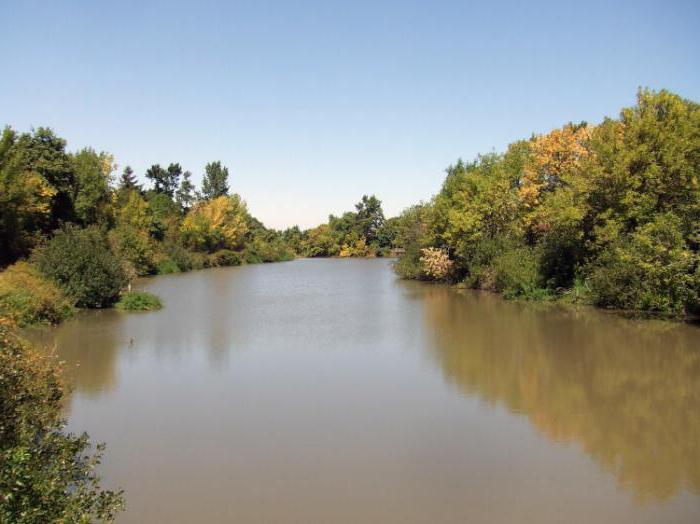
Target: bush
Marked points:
251	257
138	301
82	264
134	247
408	265
651	270
435	263
46	475
27	297
225	257
167	266
515	274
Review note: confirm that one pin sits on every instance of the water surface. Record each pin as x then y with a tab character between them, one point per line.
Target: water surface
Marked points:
323	391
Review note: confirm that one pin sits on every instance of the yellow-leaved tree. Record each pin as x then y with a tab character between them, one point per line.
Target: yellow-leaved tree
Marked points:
552	181
220	223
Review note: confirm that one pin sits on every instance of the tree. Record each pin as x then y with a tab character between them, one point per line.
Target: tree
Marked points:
128	181
46	475
131	238
93	195
649	270
185	196
45	154
215	181
165	181
81	262
25	202
320	241
370	217
220	223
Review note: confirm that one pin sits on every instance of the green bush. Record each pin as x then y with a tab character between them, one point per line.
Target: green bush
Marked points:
408	265
225	257
138	301
81	263
651	270
261	250
251	257
46	475
167	266
27	297
133	246
516	274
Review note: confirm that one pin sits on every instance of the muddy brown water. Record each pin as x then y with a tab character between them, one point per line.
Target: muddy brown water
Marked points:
324	391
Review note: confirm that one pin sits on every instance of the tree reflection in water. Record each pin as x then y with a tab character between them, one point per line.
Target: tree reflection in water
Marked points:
627	391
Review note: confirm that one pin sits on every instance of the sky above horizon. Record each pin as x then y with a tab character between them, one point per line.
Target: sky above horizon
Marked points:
313	104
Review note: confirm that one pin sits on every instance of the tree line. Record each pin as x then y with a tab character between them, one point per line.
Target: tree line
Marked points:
605	214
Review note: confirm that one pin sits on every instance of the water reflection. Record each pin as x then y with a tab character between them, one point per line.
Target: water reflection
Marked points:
93	333
628	392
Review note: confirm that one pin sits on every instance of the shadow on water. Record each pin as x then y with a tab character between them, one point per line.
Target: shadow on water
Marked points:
627	391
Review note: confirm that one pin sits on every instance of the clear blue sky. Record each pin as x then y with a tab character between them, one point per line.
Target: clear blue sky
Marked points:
312	104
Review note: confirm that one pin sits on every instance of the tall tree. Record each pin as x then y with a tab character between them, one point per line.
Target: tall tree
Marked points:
25	202
93	195
165	180
215	182
185	194
128	180
44	153
370	217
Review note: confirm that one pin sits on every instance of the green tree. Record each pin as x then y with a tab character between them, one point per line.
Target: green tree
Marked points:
370	217
650	270
93	196
46	475
44	153
127	180
26	200
215	181
81	262
186	194
165	181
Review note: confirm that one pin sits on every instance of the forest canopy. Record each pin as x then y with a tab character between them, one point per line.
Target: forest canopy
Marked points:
607	214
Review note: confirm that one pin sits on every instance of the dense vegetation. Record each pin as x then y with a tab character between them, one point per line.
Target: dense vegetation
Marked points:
46	475
138	301
362	233
88	235
607	214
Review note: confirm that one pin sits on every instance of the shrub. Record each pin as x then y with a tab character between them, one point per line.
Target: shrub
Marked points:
46	475
435	263
225	257
82	264
651	270
167	266
27	297
138	301
358	248
515	274
134	247
251	257
408	264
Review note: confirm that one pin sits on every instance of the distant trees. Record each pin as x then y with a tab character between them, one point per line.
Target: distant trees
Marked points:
361	233
220	223
127	181
215	181
164	181
185	195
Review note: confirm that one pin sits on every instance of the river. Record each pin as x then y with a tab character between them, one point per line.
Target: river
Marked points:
329	391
